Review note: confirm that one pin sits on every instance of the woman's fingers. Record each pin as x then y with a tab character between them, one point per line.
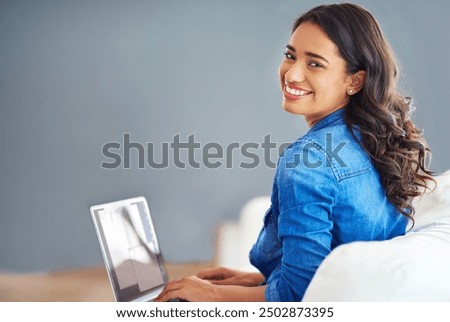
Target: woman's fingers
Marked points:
166	296
169	288
190	288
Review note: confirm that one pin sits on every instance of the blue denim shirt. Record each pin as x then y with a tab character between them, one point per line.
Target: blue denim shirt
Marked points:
326	192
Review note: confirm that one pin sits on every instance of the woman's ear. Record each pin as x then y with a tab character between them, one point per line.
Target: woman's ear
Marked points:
356	82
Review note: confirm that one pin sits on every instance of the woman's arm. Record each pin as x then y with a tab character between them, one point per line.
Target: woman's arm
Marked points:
241	294
307	194
195	289
227	276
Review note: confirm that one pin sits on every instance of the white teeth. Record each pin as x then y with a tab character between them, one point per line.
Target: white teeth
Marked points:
296	92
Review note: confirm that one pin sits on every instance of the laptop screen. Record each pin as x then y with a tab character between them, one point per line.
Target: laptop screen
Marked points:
130	249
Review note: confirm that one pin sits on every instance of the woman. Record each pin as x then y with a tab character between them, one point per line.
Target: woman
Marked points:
351	177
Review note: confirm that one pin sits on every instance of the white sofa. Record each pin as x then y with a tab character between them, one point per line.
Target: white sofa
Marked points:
413	267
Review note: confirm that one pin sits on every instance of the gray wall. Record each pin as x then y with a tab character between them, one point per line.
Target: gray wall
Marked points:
75	75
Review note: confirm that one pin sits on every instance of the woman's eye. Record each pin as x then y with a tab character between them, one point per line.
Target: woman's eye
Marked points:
289	56
314	64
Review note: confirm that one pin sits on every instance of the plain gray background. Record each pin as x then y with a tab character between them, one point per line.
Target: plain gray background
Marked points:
75	75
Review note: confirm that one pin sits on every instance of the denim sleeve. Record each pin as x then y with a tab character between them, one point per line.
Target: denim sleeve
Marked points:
307	190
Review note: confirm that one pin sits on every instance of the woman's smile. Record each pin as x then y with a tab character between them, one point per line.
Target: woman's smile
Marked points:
293	92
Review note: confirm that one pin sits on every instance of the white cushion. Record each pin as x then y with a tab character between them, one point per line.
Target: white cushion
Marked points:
236	238
413	267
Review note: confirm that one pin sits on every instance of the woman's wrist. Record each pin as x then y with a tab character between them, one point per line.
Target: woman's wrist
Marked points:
256	278
252	279
233	293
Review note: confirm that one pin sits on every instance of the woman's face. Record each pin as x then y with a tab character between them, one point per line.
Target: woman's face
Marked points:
313	75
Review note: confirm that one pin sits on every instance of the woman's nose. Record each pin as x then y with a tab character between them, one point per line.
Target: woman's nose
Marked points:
295	74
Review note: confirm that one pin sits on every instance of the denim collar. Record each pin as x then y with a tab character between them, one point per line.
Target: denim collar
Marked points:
329	119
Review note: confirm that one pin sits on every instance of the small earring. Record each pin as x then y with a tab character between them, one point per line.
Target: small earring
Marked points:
350	92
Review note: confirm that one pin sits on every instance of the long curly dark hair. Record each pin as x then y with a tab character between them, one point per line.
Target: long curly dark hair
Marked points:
382	116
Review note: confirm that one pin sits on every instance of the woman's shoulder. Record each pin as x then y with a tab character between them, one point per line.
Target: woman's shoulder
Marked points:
334	147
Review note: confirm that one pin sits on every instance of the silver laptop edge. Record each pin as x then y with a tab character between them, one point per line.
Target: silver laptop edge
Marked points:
126	234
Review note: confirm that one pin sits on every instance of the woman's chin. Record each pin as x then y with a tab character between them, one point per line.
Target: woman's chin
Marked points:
290	109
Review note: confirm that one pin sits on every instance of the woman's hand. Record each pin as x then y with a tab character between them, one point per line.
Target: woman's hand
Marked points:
191	288
226	276
195	289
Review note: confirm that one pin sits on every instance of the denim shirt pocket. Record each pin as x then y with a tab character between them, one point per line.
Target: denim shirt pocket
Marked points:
268	244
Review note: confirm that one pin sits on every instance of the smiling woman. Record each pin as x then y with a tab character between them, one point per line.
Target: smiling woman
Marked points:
366	160
313	75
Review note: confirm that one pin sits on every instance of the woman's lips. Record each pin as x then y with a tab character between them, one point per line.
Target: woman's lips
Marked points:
292	92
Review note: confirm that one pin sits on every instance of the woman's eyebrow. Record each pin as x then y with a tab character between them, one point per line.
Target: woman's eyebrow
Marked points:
290	48
308	53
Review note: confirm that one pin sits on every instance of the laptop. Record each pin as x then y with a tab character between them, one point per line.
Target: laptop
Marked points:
130	249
